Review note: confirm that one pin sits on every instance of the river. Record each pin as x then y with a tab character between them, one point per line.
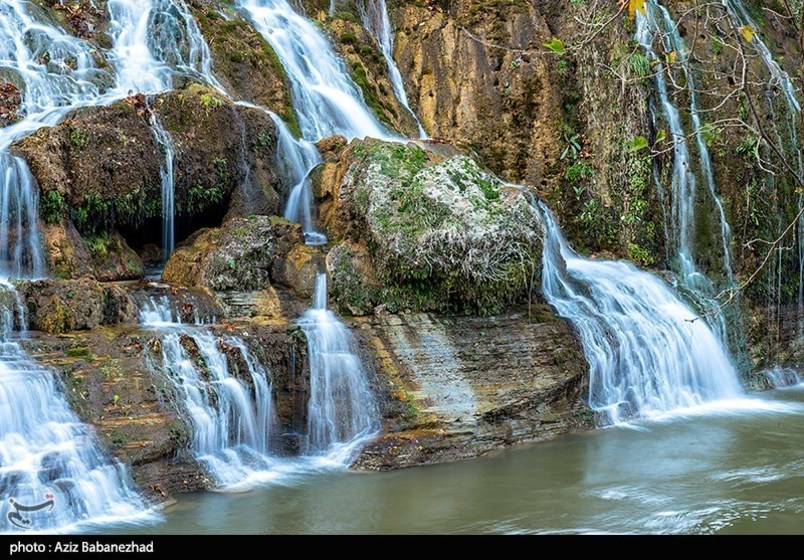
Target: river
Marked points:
738	470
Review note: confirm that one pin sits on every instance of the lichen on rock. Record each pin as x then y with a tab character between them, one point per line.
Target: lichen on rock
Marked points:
442	234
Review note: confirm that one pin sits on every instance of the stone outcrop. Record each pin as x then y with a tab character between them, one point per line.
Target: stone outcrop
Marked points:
425	232
244	62
110	382
62	306
244	255
457	387
99	172
477	74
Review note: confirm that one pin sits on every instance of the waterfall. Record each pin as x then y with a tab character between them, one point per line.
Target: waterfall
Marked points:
780	79
165	144
230	412
648	352
377	21
55	72
326	100
44	449
297	158
47	453
153	41
231	417
342	413
780	378
657	22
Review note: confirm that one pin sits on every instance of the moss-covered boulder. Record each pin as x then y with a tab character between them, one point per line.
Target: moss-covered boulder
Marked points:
440	234
245	254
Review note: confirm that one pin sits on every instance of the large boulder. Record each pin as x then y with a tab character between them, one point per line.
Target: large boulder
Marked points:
245	254
436	233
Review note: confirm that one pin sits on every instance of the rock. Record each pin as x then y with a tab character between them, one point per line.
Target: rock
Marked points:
459	387
99	170
113	259
244	62
441	234
60	306
112	384
468	77
239	256
10	100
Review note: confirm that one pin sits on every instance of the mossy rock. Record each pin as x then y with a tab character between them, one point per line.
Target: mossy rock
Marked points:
441	234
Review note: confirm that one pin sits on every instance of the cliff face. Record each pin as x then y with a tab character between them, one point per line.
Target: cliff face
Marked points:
433	258
478	76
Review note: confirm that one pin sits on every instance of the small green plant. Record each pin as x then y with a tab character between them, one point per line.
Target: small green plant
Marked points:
573	148
52	207
265	140
555	45
79	138
211	102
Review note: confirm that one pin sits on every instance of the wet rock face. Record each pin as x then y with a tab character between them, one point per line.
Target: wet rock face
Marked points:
99	173
453	388
476	74
114	382
243	61
10	100
436	234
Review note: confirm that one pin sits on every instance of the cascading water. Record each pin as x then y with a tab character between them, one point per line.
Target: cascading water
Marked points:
55	72
48	454
326	100
154	40
342	413
165	143
657	22
230	412
778	79
231	417
648	352
297	158
45	449
377	21
780	378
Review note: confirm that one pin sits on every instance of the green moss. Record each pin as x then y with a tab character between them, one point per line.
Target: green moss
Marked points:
80	352
417	273
360	77
211	102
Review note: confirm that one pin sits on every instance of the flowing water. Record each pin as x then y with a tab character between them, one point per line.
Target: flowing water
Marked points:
377	21
648	352
165	144
47	454
326	100
657	24
779	80
736	471
154	41
342	414
230	412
